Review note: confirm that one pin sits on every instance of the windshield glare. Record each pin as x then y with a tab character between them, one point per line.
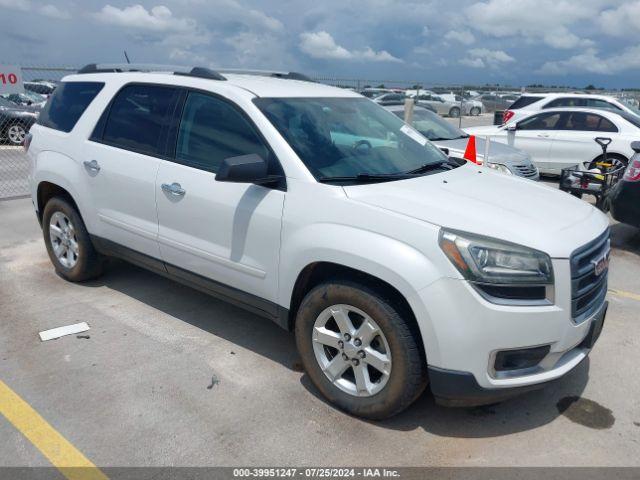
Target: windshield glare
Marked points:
346	137
432	126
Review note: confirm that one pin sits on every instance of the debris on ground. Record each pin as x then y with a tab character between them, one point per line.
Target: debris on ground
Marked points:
214	381
62	331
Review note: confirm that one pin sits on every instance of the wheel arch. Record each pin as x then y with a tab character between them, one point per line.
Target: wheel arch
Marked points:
319	272
46	191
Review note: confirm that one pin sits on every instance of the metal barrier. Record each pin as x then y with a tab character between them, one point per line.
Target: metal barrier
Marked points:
17	113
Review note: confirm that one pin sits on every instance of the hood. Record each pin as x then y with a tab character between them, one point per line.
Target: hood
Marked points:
19	109
480	201
485	130
498	152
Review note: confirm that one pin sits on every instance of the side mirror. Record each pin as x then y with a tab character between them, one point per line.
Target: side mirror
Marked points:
512	127
250	168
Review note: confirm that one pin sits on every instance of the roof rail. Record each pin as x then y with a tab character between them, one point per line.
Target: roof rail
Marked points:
267	73
199	72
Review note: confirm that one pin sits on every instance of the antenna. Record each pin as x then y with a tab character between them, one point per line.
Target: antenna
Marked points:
126	56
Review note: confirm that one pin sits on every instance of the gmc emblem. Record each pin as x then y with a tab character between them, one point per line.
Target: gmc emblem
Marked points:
600	264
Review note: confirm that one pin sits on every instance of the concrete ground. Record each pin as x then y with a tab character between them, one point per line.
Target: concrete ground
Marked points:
14	168
170	376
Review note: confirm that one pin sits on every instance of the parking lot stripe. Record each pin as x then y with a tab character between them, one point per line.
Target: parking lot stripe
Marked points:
58	450
622	293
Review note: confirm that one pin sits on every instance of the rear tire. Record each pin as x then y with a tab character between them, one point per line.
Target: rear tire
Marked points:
68	244
379	338
454	112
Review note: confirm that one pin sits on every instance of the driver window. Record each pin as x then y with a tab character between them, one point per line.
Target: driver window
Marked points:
545	121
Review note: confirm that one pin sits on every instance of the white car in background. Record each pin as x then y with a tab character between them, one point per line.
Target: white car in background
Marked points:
469	106
563	137
528	104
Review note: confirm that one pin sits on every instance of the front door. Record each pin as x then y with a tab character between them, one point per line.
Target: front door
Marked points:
535	135
227	234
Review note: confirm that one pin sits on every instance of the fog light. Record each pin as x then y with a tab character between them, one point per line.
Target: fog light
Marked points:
520	359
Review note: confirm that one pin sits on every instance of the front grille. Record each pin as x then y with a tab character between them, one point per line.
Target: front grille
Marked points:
588	289
526	170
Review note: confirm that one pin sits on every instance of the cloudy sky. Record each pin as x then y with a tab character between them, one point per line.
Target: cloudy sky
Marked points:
517	42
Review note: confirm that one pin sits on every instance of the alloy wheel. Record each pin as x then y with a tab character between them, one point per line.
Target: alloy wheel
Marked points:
16	134
351	350
63	238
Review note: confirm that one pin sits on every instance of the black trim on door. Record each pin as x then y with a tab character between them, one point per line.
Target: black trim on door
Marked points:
247	301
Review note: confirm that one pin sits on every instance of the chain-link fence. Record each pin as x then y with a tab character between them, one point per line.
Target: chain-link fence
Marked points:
19	111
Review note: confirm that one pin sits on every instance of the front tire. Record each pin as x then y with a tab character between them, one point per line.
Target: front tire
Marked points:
358	350
68	244
474	112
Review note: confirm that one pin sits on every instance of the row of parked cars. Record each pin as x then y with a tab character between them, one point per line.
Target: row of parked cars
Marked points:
448	104
19	111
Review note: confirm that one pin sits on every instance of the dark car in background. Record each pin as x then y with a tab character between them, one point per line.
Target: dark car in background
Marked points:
42	88
625	195
15	121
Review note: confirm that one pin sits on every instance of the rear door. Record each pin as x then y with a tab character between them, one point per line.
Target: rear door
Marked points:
535	136
223	236
575	142
121	161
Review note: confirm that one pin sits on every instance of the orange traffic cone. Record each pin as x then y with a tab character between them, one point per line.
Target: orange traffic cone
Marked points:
470	151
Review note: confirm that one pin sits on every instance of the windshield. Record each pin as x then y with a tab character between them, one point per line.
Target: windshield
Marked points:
348	137
7	103
433	126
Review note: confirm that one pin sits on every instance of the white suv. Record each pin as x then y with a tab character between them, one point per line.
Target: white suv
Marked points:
316	208
529	104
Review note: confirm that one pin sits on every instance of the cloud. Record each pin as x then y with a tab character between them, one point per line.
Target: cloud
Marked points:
159	18
483	57
537	21
465	37
53	12
27	6
322	45
591	62
621	21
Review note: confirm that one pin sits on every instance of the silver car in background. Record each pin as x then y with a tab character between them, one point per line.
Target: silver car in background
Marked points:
444	135
442	106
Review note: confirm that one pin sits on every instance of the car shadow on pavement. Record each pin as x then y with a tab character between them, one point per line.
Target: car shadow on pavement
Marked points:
626	238
526	412
261	336
203	311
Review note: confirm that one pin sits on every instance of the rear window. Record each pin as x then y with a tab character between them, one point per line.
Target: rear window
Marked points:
524	102
67	104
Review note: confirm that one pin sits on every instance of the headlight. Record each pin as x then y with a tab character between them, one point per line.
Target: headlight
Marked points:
489	261
500	168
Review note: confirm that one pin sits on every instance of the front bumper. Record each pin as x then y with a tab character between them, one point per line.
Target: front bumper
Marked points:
452	388
462	332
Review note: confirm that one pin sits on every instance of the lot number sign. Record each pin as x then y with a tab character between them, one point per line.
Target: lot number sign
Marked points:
10	79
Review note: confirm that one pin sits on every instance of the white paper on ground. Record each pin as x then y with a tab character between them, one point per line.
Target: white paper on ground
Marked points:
62	331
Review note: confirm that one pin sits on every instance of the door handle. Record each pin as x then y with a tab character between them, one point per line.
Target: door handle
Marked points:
92	166
173	189
543	135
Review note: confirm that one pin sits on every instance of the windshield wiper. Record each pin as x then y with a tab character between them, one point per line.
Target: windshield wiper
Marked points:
368	177
427	167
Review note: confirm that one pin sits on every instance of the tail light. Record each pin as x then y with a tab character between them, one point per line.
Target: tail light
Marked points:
27	142
632	173
507	115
